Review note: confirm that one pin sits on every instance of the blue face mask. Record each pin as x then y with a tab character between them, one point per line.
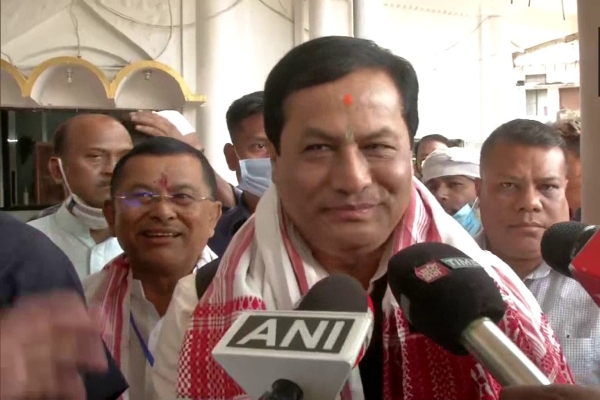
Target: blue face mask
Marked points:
256	175
468	219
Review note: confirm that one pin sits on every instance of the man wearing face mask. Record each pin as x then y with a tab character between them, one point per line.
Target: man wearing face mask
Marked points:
450	175
246	155
86	149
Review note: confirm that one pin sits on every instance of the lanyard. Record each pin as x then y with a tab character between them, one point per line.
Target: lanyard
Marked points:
145	348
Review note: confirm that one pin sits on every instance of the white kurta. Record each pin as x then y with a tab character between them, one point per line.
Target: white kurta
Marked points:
149	323
74	239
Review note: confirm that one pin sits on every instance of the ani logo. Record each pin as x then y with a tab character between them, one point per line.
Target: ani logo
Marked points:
431	272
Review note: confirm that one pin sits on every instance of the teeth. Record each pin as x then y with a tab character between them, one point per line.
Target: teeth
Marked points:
160	234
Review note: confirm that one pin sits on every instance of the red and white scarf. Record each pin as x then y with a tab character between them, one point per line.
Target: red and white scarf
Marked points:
267	266
109	291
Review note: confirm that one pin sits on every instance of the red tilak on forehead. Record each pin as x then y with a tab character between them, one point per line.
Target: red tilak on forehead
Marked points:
163	182
347	100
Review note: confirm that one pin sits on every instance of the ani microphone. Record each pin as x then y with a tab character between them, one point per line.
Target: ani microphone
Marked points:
451	299
272	354
573	249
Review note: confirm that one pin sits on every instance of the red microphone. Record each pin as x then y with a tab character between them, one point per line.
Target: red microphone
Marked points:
573	249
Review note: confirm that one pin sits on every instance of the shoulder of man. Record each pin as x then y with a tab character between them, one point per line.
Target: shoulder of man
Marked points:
32	263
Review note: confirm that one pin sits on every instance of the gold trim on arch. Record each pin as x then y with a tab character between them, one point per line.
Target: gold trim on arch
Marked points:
16	74
61	61
149	65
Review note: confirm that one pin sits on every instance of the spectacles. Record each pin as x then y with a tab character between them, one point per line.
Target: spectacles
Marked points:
139	199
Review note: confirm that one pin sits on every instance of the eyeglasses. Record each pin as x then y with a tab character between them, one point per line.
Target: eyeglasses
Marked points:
141	199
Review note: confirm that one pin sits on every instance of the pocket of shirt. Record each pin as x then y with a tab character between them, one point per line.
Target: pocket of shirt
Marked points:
580	353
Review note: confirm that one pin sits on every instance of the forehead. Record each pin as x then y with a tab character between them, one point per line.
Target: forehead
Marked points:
521	160
98	132
251	127
157	171
428	146
375	102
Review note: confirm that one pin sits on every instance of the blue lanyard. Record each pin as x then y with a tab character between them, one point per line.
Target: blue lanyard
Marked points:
145	348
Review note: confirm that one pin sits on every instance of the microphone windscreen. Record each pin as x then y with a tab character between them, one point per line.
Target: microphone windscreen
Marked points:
562	241
442	290
336	293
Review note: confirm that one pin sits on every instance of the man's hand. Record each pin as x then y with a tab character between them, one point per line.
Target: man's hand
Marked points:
550	392
153	124
45	342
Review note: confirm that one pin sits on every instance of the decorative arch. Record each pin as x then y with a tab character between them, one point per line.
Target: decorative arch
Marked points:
63	61
142	65
15	74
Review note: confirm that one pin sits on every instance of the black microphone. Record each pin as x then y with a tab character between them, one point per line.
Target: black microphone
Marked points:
451	299
573	249
283	390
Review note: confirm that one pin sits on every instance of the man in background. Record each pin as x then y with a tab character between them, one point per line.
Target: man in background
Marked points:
521	194
247	155
427	145
450	175
86	149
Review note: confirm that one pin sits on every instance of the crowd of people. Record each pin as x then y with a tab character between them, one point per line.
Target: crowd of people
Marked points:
327	184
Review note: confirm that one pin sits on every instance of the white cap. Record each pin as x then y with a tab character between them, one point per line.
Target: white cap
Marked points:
450	162
177	119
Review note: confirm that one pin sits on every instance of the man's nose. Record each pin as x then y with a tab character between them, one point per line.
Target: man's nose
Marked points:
530	199
162	210
351	172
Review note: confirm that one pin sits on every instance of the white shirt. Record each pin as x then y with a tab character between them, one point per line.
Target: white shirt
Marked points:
573	316
149	323
74	239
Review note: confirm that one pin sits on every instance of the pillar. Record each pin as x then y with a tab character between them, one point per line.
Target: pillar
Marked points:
588	17
318	18
497	84
219	58
367	17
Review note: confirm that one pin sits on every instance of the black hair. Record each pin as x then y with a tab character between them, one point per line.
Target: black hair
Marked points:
434	138
328	59
242	108
165	146
525	132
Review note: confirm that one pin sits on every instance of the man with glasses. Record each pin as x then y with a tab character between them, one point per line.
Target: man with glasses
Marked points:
162	211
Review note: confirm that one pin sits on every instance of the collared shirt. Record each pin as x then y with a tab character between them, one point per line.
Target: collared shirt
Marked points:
573	316
229	223
149	324
74	239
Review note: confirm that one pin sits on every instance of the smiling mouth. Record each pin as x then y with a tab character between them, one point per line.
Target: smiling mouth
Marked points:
154	234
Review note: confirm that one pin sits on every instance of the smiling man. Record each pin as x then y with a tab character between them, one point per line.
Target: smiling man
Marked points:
522	193
340	114
162	211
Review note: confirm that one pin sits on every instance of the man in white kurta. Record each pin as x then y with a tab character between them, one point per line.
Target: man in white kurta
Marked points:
162	211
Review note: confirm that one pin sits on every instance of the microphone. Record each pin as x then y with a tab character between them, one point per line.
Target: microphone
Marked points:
573	249
451	299
310	350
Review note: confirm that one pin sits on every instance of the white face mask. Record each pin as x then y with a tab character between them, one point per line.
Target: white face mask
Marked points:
256	175
89	216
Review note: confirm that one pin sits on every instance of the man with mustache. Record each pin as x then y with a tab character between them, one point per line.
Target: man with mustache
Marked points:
162	209
522	193
340	114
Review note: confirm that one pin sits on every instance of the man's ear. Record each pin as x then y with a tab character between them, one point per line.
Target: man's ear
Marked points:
233	161
274	156
109	214
214	216
478	186
54	169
